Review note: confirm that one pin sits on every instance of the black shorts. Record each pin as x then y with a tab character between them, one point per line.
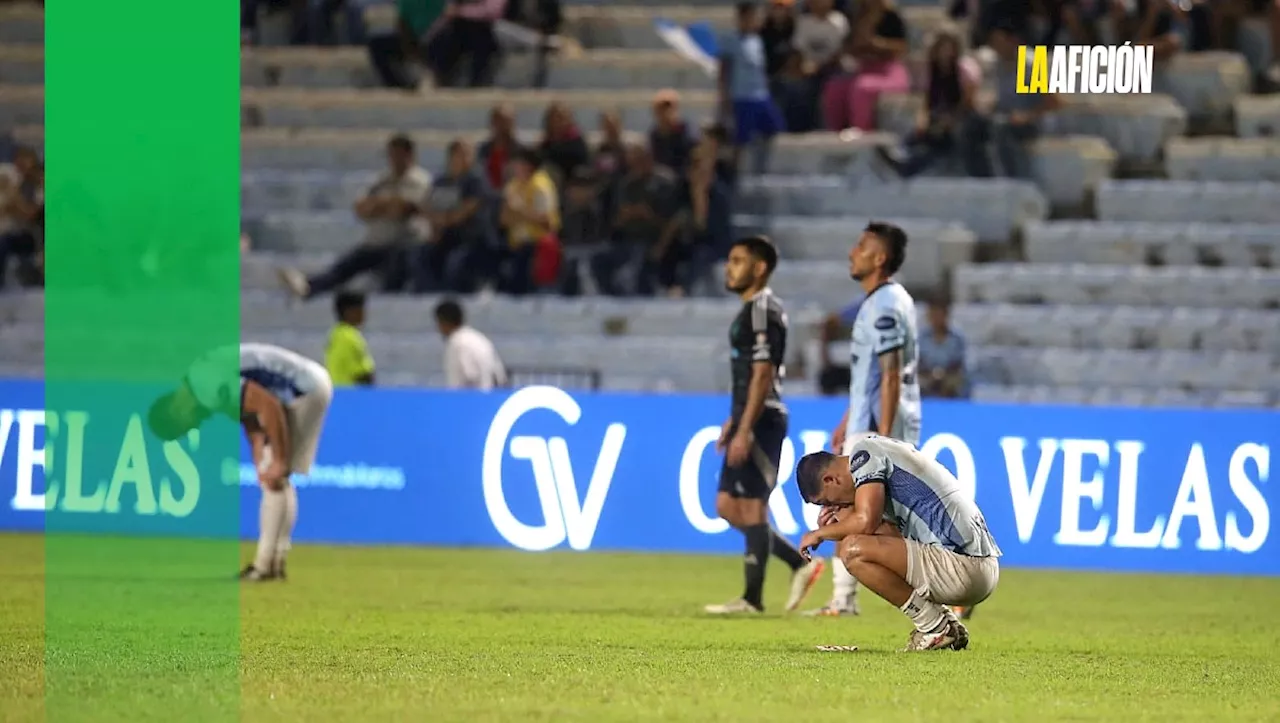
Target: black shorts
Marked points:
758	475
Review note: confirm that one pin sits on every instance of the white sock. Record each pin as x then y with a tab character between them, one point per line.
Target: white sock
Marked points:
845	584
270	519
284	540
926	614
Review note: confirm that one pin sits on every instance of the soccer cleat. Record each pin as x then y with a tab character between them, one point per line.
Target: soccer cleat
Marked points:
252	574
834	610
802	581
943	638
960	632
733	607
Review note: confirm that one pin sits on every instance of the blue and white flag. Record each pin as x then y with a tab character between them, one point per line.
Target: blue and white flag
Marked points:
696	42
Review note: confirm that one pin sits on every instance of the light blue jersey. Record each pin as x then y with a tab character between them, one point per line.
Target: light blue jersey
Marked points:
922	498
285	374
885	322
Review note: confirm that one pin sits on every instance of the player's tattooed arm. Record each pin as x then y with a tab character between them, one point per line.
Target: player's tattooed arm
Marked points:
890	390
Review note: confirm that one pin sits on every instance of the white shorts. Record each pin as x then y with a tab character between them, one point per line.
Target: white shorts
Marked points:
306	422
948	577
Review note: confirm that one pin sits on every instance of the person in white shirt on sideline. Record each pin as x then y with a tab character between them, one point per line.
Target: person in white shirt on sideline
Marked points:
392	211
470	359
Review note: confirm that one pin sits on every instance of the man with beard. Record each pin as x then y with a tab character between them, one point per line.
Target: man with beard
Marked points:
884	393
752	437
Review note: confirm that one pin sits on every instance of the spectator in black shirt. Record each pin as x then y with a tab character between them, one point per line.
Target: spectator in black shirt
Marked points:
752	436
644	223
462	235
670	140
563	148
779	26
877	47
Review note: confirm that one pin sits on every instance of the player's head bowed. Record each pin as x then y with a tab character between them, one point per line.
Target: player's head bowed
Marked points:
810	471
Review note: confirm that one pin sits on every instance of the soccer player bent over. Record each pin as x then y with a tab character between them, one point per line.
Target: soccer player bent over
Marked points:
906	531
752	437
282	403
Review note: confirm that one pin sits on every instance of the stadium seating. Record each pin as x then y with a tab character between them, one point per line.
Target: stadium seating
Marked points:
1159	290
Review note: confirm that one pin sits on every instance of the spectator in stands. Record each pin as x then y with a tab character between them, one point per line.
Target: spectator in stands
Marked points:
942	356
391	211
670	139
468	33
321	29
502	145
461	235
875	51
586	226
1016	120
776	33
22	217
744	90
950	89
531	217
833	350
715	137
820	32
543	17
708	232
470	359
1084	20
563	147
610	157
643	226
392	55
1157	23
347	356
792	91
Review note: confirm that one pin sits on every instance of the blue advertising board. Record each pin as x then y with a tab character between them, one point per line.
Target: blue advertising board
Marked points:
540	468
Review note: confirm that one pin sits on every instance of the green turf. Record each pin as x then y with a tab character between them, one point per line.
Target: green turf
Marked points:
460	635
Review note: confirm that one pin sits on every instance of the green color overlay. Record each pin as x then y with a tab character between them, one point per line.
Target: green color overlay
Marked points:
141	607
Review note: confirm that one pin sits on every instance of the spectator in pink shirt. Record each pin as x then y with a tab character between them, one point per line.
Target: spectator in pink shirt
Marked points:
876	46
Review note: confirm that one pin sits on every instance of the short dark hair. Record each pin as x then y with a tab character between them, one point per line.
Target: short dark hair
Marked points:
161	420
809	472
456	145
345	301
401	142
895	239
449	312
527	155
762	248
746	7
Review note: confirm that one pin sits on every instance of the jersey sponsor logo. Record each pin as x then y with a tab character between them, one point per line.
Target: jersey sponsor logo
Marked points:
885	323
858	460
565	516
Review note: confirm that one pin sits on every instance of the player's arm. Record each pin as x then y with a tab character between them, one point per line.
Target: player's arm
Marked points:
864	518
264	421
891	339
765	358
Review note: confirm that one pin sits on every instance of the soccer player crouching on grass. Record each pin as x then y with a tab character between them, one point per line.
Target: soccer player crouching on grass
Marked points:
906	531
283	399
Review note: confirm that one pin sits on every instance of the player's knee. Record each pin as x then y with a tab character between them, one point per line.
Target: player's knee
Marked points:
853	551
727	509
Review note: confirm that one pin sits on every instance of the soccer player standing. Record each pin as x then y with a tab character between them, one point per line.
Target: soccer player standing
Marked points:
906	530
282	403
884	394
752	437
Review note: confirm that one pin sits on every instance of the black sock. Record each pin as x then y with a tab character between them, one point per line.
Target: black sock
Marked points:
754	562
785	551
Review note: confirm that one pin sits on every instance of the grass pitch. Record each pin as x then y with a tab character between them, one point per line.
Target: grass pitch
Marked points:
469	635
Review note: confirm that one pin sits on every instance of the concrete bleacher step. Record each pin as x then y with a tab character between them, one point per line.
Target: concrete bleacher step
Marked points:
993	208
1159	201
1118	327
1137	127
1220	288
1220	158
1152	369
1258	116
21	23
1163	244
456	110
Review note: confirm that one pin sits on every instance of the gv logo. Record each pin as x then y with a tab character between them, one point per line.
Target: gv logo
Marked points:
564	516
